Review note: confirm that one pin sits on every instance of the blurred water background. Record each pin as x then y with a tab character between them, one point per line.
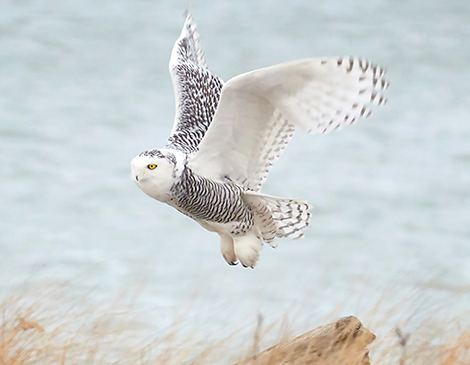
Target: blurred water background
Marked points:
84	87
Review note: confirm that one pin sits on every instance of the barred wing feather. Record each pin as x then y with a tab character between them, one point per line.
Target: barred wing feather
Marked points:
259	111
197	90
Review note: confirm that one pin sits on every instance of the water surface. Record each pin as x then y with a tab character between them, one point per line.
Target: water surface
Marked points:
85	87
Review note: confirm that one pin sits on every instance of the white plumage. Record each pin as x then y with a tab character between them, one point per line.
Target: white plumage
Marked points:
226	137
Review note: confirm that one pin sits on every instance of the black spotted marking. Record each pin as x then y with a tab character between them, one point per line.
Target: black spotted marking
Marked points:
171	157
198	92
363	64
152	153
272	144
157	153
351	65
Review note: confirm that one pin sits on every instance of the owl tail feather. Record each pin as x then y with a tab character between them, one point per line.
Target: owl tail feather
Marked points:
278	217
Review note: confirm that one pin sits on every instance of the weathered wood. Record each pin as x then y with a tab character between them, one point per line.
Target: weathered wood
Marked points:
343	342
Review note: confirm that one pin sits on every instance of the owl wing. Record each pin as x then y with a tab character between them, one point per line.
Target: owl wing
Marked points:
260	110
197	91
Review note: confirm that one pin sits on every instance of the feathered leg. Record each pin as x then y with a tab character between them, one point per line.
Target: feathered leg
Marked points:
227	249
247	248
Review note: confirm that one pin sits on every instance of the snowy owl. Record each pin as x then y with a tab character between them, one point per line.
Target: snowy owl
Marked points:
226	136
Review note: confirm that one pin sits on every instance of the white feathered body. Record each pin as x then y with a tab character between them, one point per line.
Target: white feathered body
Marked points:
231	210
227	136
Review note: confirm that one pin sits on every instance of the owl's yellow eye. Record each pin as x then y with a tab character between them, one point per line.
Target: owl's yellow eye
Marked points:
152	166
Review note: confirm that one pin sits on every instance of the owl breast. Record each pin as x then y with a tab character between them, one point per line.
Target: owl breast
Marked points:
220	205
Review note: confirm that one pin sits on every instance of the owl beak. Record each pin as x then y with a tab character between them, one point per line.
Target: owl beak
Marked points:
136	177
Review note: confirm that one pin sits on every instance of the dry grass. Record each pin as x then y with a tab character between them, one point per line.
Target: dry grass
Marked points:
432	335
52	327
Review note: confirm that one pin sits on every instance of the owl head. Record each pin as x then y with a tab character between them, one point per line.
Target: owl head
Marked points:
156	171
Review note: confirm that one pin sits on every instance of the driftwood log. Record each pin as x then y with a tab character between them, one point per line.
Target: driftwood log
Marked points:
343	342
